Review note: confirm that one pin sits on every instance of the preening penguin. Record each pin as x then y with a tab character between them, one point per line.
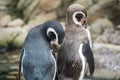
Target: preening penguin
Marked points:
37	61
75	51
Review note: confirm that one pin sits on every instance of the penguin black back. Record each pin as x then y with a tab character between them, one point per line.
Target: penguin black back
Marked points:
37	61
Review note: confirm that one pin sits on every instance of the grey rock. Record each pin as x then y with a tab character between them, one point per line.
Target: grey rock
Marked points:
42	18
85	3
100	25
16	23
22	4
107	57
12	36
48	5
96	28
5	20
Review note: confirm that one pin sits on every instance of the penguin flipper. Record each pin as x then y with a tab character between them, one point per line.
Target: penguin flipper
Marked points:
87	52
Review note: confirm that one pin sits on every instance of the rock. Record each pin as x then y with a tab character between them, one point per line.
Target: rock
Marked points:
30	9
94	12
102	38
98	46
2	14
106	74
115	39
16	23
5	20
85	3
104	2
100	25
3	49
49	5
20	38
9	63
103	8
42	18
96	28
27	27
107	65
118	27
12	37
106	56
4	37
109	36
61	10
22	4
106	36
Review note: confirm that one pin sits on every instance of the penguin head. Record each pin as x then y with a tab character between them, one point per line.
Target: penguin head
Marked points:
76	14
55	32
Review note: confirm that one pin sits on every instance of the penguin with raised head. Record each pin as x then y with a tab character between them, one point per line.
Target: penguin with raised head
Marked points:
75	52
37	61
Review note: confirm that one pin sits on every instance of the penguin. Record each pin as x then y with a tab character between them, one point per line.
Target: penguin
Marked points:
75	53
37	61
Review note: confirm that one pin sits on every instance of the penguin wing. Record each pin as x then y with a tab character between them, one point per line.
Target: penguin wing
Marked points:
87	52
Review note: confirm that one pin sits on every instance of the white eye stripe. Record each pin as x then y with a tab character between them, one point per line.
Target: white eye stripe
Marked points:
52	30
74	18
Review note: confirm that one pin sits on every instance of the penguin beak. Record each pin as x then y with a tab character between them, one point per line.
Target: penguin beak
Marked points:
83	21
54	43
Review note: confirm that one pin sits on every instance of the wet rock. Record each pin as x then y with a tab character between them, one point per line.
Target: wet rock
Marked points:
16	23
5	20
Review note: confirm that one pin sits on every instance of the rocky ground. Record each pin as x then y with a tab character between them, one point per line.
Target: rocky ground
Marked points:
107	64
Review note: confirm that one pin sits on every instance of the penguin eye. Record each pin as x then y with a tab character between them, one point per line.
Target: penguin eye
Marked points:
51	36
79	16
